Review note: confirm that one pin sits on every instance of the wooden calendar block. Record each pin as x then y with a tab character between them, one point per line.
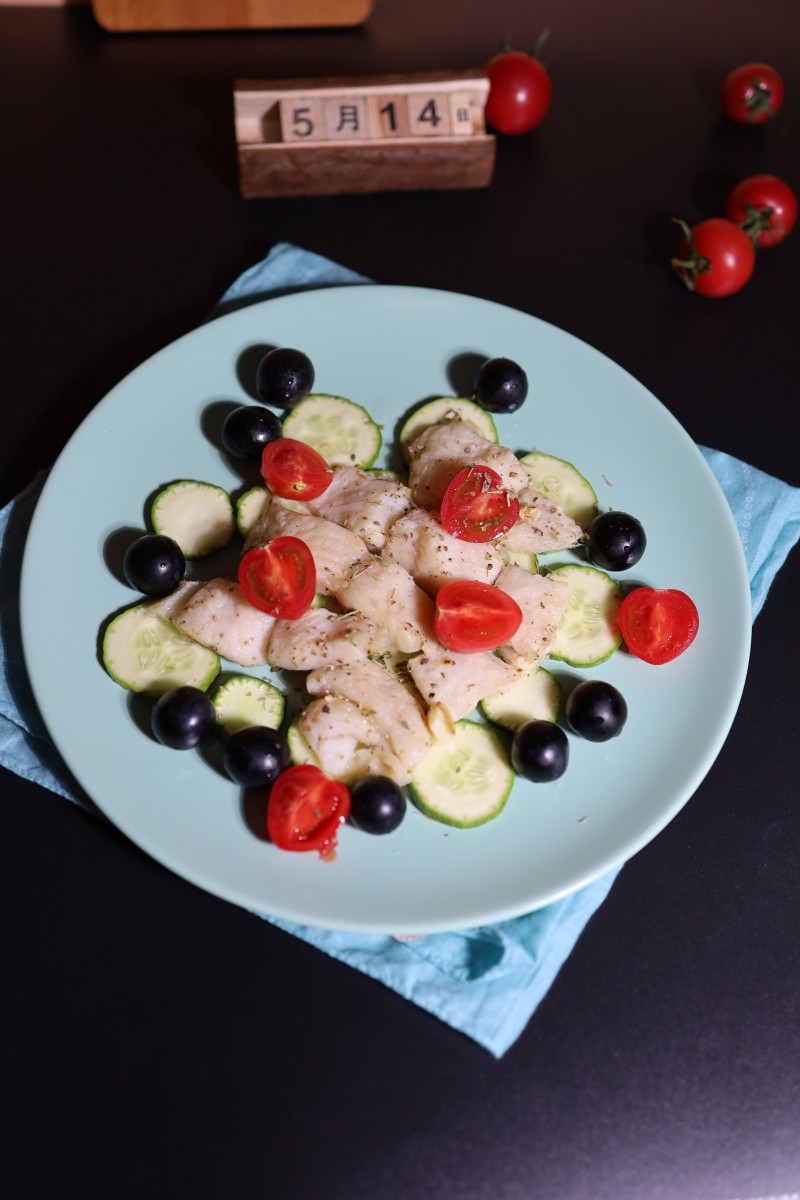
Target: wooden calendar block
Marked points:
462	114
345	118
428	115
126	16
301	119
306	137
387	116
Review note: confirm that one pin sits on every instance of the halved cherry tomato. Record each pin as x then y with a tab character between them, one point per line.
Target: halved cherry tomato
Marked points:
306	809
294	470
472	616
658	624
279	578
476	507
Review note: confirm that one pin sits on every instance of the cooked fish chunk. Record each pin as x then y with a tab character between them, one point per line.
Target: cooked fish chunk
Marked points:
335	550
543	602
387	593
168	606
218	616
319	638
418	543
362	503
542	526
347	741
396	713
457	682
443	450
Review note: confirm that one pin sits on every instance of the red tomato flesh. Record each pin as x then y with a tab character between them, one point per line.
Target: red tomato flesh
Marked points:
280	578
306	809
658	624
472	616
476	507
293	470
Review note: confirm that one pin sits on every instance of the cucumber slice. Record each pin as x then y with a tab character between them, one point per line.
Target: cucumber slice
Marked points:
250	507
385	473
562	483
322	601
198	516
243	700
299	748
520	558
434	411
145	653
588	633
535	698
465	779
342	432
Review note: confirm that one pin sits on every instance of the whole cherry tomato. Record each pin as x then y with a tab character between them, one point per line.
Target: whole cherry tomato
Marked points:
752	94
472	616
715	258
280	578
658	624
476	507
520	92
306	809
765	207
293	470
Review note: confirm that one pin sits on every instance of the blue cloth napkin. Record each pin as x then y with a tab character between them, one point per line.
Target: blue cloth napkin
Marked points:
484	982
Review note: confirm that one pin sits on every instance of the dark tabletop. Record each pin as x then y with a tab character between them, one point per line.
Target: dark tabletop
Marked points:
159	1042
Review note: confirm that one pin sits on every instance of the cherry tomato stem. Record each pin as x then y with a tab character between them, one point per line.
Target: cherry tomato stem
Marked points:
715	258
752	94
764	207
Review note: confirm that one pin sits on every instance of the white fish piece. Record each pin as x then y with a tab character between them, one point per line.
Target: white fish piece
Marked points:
543	602
362	503
418	543
335	550
395	712
168	606
443	450
542	526
321	638
388	594
457	682
217	616
347	742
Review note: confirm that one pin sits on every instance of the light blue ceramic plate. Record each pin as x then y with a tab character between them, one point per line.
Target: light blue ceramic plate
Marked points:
389	348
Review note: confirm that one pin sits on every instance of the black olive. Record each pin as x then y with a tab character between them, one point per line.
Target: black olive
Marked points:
182	717
500	385
615	541
540	751
284	377
154	564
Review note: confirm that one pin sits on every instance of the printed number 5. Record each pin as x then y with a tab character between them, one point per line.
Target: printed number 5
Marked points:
302	124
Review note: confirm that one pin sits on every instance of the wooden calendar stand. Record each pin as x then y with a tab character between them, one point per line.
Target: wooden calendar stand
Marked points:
305	137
